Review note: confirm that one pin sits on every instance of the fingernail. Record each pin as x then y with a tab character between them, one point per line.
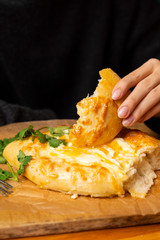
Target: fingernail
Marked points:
128	122
116	94
123	112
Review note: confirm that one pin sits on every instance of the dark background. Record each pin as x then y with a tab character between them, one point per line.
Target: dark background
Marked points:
51	51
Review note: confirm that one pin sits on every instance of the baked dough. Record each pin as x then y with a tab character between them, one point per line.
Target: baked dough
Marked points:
93	163
127	163
98	122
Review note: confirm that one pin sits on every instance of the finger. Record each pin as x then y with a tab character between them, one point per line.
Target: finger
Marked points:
136	96
133	78
149	102
151	113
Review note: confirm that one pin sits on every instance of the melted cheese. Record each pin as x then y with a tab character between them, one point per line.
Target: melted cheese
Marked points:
104	170
98	121
116	157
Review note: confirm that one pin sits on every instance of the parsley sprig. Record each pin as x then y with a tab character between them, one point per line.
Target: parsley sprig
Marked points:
24	160
3	144
5	175
55	132
53	140
26	132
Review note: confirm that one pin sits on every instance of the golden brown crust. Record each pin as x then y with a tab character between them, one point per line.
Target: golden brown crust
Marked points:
103	171
138	139
60	174
98	122
92	163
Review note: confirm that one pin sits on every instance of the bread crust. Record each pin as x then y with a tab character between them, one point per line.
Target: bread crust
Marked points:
98	122
93	163
104	171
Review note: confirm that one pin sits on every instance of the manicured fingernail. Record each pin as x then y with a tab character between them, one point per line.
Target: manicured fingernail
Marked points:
128	122
123	112
116	94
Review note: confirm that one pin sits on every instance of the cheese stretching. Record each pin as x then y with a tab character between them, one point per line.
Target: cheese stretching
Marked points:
127	163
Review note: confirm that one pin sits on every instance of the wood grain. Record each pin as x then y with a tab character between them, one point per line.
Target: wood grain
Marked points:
32	211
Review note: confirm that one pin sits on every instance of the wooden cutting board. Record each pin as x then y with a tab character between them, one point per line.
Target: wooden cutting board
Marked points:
32	211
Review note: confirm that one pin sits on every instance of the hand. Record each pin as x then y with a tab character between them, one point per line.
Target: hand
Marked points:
144	101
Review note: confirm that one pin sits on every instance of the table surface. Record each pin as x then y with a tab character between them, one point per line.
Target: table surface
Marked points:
148	232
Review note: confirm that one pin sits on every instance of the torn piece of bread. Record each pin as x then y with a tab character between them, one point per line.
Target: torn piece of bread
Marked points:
93	163
98	122
127	163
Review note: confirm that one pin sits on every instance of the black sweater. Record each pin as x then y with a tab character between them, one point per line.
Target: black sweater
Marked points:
51	51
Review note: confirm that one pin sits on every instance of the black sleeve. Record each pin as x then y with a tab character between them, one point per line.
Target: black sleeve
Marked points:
10	113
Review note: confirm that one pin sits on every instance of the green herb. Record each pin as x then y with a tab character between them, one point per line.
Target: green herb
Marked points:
14	175
59	131
55	132
26	132
52	140
2	160
4	175
55	142
19	136
24	160
41	136
1	147
30	132
4	143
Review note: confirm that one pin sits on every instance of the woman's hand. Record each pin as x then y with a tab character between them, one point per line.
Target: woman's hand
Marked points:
144	101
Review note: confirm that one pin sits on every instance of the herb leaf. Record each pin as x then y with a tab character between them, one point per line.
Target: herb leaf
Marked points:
14	175
59	131
41	136
4	143
4	175
26	132
54	142
24	160
2	160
